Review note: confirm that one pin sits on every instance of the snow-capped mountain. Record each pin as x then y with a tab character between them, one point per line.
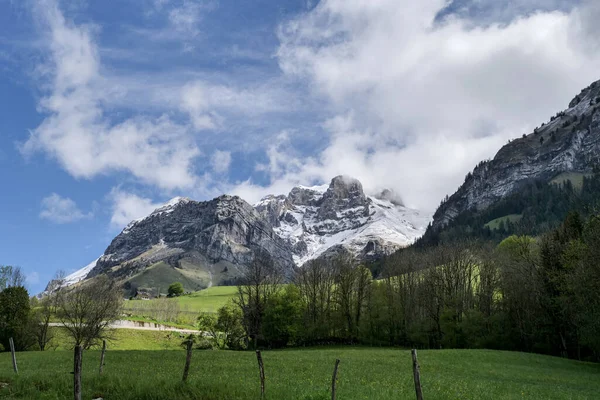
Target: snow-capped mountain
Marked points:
317	220
205	243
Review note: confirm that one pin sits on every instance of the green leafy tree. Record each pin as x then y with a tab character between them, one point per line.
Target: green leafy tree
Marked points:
175	289
224	330
283	317
14	317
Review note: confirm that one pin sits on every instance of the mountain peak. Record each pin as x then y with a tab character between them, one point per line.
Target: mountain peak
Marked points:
168	207
319	220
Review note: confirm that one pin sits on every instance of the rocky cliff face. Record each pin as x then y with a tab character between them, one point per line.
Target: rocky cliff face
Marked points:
322	219
570	142
193	239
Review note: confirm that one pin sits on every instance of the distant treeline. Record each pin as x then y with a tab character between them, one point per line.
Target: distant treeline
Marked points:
541	205
525	294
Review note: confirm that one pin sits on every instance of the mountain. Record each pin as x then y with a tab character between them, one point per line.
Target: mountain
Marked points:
197	243
322	220
565	148
207	243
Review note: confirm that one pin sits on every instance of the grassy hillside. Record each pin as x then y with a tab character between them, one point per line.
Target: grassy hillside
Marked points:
495	223
365	373
186	310
207	300
576	179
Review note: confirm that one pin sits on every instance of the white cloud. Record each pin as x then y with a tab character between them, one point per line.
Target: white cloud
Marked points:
61	210
202	101
186	18
220	161
419	103
127	207
78	133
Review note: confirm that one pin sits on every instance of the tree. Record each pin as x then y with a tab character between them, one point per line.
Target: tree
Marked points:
42	313
315	282
11	277
260	280
87	311
14	317
224	329
283	317
175	289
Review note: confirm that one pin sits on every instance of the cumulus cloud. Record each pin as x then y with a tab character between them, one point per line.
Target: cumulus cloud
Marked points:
220	161
79	134
61	210
418	101
127	207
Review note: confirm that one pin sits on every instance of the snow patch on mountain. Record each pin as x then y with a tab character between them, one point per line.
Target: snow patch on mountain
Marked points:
316	219
80	274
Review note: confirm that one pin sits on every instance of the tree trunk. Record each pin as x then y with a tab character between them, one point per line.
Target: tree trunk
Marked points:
77	361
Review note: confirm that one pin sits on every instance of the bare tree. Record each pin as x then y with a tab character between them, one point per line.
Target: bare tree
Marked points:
260	280
352	284
41	329
87	311
315	281
11	277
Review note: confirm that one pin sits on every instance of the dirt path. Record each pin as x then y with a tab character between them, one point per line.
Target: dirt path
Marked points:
143	326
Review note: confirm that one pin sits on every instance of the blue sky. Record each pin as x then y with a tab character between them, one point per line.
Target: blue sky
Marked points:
112	108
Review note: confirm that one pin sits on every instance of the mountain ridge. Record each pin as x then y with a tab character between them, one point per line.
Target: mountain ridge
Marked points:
569	142
206	243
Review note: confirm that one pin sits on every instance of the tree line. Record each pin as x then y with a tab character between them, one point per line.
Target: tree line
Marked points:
527	294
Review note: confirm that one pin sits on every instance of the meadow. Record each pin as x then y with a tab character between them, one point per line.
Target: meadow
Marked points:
304	374
181	311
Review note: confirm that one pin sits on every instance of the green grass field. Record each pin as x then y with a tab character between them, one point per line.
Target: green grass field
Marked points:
576	179
365	373
495	223
127	339
207	300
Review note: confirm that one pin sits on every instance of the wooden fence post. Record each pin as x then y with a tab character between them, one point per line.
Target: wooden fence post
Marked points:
417	375
102	356
334	380
14	356
188	359
261	368
77	372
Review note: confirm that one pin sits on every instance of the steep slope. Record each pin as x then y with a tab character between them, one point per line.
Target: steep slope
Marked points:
319	220
198	243
570	142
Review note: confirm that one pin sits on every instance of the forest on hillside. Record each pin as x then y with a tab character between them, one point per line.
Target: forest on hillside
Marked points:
540	207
